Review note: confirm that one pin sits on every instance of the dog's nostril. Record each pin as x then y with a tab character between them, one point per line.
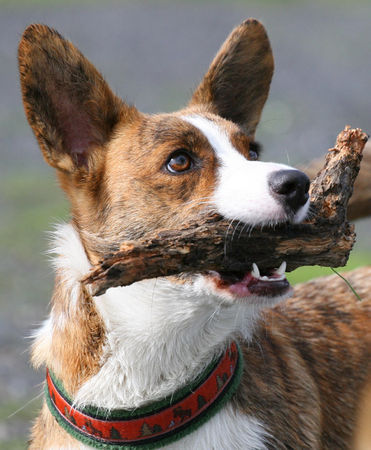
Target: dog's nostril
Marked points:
290	187
286	188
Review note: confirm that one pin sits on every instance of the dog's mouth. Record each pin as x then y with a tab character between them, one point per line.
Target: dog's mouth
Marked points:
268	283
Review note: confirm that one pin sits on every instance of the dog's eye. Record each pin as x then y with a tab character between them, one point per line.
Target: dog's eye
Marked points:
253	156
254	151
179	161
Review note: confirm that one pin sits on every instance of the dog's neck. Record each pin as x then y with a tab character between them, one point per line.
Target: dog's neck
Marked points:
158	335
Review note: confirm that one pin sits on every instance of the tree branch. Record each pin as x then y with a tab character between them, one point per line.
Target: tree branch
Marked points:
324	240
360	202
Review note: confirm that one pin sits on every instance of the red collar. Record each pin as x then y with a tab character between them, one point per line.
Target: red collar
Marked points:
154	425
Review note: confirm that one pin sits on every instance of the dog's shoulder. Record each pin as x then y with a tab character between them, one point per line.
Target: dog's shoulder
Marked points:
307	360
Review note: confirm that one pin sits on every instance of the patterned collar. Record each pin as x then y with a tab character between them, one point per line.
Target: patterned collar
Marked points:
154	425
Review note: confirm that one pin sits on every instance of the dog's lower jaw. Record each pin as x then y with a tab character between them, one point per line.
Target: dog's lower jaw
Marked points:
241	292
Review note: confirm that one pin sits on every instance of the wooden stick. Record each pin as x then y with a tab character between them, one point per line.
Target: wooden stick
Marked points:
326	239
360	202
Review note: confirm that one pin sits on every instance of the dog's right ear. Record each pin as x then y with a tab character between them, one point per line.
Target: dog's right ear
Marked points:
69	106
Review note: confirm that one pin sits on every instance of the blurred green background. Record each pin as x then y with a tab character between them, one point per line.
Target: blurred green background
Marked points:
153	53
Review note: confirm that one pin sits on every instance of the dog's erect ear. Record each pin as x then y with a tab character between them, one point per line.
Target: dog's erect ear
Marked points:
237	83
69	106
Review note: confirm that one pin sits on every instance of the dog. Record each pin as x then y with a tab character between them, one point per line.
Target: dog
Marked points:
195	361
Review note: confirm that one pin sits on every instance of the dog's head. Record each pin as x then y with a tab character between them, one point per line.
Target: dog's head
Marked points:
128	174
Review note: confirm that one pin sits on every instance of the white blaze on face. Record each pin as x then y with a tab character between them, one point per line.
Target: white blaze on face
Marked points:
242	191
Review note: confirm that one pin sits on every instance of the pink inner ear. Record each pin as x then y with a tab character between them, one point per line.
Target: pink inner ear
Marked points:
75	126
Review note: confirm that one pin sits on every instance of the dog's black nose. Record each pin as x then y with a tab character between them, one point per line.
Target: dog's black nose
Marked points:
290	187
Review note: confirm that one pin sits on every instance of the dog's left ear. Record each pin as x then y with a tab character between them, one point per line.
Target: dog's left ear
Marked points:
237	83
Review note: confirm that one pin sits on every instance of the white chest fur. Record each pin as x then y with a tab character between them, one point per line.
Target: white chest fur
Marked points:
159	336
228	429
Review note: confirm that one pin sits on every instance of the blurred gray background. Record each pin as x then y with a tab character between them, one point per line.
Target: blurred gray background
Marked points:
153	53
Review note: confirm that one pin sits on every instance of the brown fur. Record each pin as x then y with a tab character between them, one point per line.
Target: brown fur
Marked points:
362	435
310	393
77	341
308	366
47	434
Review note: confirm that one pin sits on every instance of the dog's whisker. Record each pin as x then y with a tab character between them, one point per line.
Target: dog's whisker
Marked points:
230	225
195	205
213	314
196	200
244	227
235	228
249	229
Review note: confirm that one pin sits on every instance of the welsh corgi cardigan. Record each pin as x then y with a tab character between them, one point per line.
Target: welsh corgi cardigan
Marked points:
192	361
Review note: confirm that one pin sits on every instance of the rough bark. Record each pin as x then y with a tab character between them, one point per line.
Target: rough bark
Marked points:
210	244
360	202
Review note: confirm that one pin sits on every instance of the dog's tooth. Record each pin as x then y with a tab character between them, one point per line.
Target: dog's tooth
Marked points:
255	271
282	268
